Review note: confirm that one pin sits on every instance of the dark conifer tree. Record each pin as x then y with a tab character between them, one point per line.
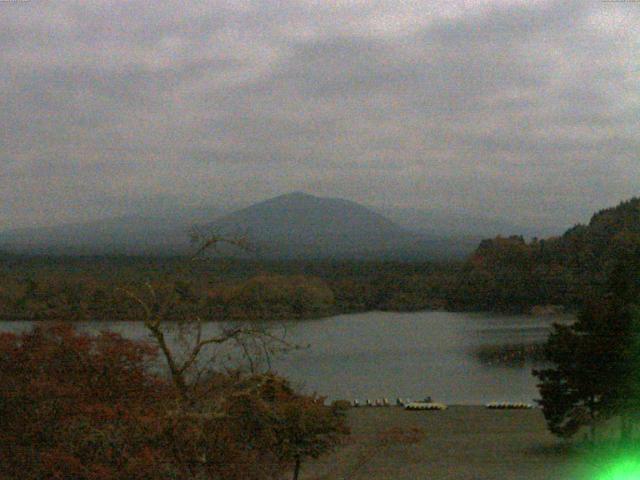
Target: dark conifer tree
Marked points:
596	361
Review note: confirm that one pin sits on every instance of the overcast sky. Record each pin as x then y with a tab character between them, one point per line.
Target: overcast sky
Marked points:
526	110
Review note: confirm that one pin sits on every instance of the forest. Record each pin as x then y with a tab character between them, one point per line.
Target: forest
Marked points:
505	274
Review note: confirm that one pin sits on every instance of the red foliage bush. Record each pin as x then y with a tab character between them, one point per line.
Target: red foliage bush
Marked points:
75	406
80	407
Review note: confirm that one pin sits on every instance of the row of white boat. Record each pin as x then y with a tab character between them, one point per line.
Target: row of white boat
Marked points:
508	406
384	402
427	404
407	404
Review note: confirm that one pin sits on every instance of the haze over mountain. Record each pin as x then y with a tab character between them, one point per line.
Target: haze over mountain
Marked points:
293	225
164	232
457	224
298	225
514	109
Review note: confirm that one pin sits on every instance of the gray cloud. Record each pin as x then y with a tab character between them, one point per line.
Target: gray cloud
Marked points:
523	110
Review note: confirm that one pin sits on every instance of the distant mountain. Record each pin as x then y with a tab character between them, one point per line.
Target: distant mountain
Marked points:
298	225
164	234
294	225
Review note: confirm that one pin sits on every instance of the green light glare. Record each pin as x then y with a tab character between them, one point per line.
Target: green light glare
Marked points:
624	469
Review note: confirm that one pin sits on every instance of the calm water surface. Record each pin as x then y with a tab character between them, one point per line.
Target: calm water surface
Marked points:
386	354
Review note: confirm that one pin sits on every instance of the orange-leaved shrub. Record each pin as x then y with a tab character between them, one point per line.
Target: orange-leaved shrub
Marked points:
75	406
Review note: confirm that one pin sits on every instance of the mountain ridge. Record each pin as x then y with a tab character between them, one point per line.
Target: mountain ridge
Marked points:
297	225
301	225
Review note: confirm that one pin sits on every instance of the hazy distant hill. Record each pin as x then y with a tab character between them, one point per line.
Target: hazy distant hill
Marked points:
162	234
299	225
453	224
294	225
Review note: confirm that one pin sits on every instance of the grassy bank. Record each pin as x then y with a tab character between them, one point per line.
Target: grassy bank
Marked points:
461	443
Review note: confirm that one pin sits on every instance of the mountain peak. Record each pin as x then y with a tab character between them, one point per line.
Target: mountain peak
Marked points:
298	224
296	195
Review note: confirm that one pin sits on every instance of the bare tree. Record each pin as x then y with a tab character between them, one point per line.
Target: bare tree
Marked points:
200	348
218	405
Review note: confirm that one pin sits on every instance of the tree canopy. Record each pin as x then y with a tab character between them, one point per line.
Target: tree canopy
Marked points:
596	360
88	407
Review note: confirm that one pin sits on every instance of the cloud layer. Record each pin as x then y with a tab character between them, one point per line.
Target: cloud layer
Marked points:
525	110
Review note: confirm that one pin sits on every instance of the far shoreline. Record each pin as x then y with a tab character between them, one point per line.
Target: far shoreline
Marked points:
532	312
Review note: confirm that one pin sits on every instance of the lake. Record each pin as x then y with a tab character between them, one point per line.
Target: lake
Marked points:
408	355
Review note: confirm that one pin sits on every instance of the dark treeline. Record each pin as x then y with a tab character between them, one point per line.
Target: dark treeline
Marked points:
594	362
503	274
83	288
512	274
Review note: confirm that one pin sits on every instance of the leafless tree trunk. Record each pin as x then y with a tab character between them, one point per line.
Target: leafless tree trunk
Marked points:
249	339
296	470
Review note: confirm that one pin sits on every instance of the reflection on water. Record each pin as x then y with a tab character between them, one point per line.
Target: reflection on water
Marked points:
386	354
383	354
512	354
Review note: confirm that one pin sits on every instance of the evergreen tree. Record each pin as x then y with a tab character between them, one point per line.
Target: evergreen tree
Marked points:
596	361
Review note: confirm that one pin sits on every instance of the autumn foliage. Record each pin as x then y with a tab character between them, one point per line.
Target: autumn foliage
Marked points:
76	406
